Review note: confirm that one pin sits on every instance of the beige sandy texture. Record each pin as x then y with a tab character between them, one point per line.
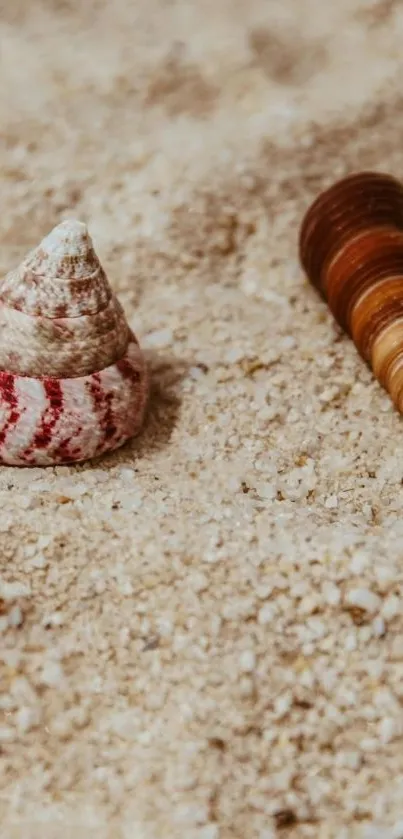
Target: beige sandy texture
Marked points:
202	634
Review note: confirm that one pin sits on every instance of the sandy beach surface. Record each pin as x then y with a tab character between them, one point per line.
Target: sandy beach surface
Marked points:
202	634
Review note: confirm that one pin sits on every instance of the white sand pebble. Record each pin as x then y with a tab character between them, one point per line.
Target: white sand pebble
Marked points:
159	338
9	591
247	661
378	627
199	582
287	343
39	561
331	593
391	607
15	617
266	614
52	673
209	831
387	729
332	502
283	704
7	734
26	718
359	562
364	599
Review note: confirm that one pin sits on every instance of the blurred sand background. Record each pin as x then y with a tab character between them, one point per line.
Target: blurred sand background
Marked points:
202	634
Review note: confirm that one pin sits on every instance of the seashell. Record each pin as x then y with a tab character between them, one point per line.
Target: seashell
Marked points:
351	247
73	380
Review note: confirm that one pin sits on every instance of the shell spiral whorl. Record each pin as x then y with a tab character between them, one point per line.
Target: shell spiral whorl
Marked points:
73	381
351	248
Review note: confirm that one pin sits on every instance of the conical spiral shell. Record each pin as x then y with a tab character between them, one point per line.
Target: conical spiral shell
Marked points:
351	247
73	382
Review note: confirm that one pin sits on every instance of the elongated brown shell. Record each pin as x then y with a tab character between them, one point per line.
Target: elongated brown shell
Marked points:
351	247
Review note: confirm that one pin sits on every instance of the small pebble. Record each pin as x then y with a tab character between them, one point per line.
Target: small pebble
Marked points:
364	599
247	661
332	502
391	608
25	718
52	674
158	339
387	729
331	593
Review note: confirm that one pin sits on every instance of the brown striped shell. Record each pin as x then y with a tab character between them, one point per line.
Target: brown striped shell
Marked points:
351	248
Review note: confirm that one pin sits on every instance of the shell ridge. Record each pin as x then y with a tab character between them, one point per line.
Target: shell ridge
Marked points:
50	414
62	346
11	413
31	401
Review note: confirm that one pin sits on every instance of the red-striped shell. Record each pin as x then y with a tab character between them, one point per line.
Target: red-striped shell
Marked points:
73	380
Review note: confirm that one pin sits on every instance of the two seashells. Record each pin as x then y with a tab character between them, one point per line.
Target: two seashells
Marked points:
73	380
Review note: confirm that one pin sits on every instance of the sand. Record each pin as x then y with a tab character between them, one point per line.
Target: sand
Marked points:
202	634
